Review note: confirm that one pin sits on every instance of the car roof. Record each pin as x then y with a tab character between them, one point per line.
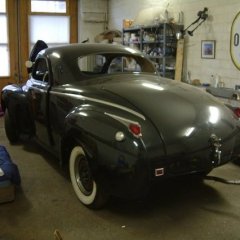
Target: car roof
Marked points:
82	49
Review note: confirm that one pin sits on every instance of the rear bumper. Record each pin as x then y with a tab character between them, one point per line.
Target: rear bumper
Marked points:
189	164
131	175
136	183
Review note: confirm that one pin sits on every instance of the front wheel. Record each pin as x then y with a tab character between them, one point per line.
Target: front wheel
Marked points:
88	191
11	130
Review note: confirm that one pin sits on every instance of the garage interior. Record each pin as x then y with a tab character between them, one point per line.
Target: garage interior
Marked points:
182	208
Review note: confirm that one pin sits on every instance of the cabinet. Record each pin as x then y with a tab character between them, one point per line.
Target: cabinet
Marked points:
158	42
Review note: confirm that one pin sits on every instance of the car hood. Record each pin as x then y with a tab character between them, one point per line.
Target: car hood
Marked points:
185	116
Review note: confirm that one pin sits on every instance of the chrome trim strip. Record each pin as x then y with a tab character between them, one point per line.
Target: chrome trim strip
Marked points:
39	89
102	102
122	120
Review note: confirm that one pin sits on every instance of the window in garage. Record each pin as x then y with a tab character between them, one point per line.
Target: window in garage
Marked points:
59	6
52	21
4	47
54	30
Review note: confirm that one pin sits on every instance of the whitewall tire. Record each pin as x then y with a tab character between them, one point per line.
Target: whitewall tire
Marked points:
85	187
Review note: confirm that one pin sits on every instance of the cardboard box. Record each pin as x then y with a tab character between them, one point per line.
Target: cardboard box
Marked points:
7	191
127	23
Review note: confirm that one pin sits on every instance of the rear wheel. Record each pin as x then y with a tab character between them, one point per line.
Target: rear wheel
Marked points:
87	189
11	130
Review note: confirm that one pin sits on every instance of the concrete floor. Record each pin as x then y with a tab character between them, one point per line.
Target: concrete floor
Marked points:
180	209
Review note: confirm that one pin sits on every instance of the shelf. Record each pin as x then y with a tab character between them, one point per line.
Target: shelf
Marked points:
154	57
132	29
160	57
158	41
131	42
152	42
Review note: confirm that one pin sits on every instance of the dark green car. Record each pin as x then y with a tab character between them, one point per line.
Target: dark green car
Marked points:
104	110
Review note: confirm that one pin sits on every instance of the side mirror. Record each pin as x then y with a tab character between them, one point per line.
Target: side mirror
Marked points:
29	65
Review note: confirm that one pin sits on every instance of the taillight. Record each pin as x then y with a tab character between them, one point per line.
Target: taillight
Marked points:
135	129
237	112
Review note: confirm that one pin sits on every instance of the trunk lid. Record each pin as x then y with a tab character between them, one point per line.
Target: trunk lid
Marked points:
185	116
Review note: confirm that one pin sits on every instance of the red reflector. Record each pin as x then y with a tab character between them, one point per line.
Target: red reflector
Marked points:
237	112
135	129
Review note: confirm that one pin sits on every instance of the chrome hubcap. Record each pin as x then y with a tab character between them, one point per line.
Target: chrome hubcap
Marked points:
83	175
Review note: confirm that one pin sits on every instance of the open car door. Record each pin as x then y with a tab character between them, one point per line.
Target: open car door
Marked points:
39	46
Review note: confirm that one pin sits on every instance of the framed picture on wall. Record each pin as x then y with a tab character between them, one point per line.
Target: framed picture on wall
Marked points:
234	41
208	49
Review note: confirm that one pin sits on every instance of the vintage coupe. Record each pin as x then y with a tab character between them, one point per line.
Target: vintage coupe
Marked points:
105	111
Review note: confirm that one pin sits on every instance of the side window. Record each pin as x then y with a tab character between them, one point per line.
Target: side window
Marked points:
40	70
116	65
130	65
124	64
91	64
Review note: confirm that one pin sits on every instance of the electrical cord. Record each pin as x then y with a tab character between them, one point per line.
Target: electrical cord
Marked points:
222	180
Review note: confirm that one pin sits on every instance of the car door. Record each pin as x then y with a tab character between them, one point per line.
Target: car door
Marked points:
39	97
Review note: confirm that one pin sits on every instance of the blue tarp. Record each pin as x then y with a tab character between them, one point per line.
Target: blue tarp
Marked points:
8	169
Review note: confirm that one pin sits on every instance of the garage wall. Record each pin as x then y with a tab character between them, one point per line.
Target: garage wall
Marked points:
92	18
217	27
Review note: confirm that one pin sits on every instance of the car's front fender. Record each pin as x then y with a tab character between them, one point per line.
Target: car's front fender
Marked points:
15	100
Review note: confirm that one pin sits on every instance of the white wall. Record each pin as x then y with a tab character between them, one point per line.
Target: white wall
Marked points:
217	27
90	15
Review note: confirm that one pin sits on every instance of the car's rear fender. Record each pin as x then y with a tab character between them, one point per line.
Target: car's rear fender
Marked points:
99	128
93	124
126	161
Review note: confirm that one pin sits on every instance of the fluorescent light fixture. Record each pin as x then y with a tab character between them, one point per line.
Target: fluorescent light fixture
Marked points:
153	86
83	114
74	90
189	131
135	143
214	114
55	54
131	50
